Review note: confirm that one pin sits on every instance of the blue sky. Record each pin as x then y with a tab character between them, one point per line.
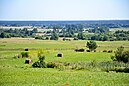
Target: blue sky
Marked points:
64	9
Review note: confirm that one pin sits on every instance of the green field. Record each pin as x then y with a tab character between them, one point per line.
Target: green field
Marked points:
13	72
120	29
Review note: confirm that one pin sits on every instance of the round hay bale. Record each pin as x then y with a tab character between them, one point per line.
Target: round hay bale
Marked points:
28	61
60	55
26	49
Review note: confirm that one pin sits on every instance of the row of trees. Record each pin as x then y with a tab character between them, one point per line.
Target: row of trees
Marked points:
74	31
98	33
7	33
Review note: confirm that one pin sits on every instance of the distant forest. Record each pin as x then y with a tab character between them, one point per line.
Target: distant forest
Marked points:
78	30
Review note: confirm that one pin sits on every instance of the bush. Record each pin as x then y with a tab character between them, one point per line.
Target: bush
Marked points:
94	66
40	63
125	56
110	51
91	45
125	70
41	58
80	50
94	50
75	38
104	50
114	66
51	65
38	37
25	54
36	64
47	38
121	55
41	52
54	36
64	39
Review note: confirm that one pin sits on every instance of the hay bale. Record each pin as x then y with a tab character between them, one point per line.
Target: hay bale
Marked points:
28	61
26	49
110	51
87	50
104	50
60	55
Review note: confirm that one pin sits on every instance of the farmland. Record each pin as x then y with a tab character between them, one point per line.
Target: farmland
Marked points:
14	72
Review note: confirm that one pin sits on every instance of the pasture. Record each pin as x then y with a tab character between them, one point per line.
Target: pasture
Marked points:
120	29
14	72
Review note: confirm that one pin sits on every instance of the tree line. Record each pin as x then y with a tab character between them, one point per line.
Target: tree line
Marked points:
74	31
7	33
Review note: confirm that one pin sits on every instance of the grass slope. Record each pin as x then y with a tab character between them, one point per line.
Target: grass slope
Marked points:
13	72
52	77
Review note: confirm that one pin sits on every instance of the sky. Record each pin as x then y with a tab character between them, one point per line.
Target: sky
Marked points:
64	9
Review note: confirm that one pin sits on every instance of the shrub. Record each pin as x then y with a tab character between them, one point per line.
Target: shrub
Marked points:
40	63
51	65
110	51
54	36
75	38
25	54
38	37
37	64
125	70
47	38
41	52
41	58
104	50
125	56
93	63
121	55
91	45
114	66
80	50
64	39
58	65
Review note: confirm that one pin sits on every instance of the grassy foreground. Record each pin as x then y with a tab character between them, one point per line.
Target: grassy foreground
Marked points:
13	72
53	77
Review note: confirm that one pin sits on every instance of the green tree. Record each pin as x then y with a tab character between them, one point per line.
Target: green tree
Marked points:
54	36
80	36
121	55
40	63
35	30
105	38
91	45
3	35
118	53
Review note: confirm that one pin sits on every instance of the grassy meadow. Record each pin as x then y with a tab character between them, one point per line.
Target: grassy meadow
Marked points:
14	72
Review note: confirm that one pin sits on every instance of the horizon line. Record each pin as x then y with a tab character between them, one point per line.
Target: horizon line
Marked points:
71	20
